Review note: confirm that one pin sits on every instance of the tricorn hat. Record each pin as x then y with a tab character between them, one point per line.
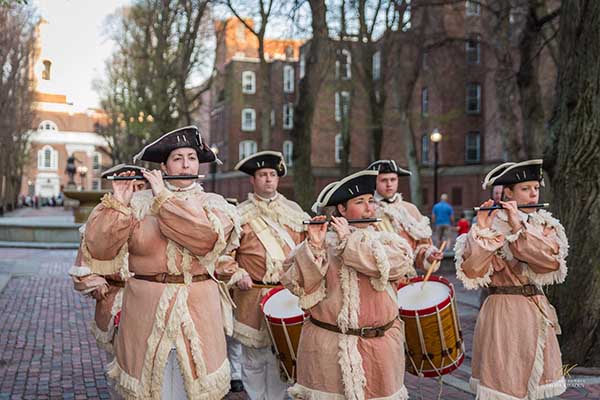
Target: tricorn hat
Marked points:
188	136
120	168
262	159
510	173
357	184
388	166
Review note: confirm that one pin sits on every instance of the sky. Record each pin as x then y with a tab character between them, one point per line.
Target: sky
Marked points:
77	44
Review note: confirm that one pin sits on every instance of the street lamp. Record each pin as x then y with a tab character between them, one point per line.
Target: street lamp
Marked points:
213	168
82	170
436	138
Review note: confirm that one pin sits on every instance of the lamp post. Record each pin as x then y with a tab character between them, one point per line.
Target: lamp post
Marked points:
436	138
82	170
213	168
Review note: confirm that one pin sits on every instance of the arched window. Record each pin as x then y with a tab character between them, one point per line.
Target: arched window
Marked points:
47	126
248	82
47	158
47	70
247	148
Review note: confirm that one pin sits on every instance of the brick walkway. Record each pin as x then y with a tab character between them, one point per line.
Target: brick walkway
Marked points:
46	350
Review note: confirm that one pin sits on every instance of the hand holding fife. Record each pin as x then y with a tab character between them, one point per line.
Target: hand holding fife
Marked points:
512	211
486	218
317	233
155	180
341	227
123	190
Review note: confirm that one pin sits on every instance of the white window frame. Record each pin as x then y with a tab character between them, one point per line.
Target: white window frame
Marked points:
469	97
473	146
52	160
338	103
469	50
288	152
288	79
377	65
339	148
472	8
272	117
47	125
302	71
248	79
288	116
96	166
338	67
425	149
251	126
247	148
425	100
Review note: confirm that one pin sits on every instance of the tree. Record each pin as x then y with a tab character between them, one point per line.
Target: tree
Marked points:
571	159
162	50
17	54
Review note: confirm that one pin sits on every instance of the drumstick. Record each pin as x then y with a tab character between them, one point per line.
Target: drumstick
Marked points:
433	265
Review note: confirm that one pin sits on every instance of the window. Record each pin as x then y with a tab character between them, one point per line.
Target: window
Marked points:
96	184
456	196
343	65
248	82
424	101
47	70
288	116
96	161
288	79
247	148
288	152
473	50
272	117
342	104
473	7
473	98
47	158
47	126
302	65
473	147
425	149
339	147
248	119
376	65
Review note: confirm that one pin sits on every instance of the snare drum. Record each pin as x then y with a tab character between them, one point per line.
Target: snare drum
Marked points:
434	342
284	319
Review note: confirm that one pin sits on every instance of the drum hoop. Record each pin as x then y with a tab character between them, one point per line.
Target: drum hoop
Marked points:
430	373
424	312
295	320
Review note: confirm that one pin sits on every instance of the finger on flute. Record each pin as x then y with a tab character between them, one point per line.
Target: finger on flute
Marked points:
350	221
499	207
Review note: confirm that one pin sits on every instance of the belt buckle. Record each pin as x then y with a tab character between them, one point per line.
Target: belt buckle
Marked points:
364	332
529	290
162	277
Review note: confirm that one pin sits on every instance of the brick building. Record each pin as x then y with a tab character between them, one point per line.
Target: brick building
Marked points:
60	130
455	93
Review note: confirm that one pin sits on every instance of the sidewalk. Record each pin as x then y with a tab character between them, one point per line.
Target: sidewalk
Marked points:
46	350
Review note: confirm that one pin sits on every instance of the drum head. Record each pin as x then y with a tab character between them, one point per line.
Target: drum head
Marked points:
281	304
422	295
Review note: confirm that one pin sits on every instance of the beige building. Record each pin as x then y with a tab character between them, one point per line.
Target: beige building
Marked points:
60	130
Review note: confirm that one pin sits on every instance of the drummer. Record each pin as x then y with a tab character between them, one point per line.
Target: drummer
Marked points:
515	251
353	345
271	228
106	290
402	217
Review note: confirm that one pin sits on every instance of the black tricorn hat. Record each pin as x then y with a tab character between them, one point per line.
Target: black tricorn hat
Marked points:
262	159
387	167
357	184
510	173
189	136
119	168
316	207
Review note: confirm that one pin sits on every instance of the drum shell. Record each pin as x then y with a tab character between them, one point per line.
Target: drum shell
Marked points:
444	347
278	327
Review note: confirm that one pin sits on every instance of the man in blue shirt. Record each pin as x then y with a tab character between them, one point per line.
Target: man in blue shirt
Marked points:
442	218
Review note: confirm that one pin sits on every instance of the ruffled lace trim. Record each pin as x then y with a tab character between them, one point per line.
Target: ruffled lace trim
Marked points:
469	283
281	210
249	336
402	219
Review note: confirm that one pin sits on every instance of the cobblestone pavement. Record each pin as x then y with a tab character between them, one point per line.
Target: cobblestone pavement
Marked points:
46	350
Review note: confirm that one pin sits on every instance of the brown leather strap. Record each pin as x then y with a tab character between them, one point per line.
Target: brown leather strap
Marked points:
366	332
114	282
167	278
525	290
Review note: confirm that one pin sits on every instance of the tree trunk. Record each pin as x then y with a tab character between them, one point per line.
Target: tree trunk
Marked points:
316	62
573	155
